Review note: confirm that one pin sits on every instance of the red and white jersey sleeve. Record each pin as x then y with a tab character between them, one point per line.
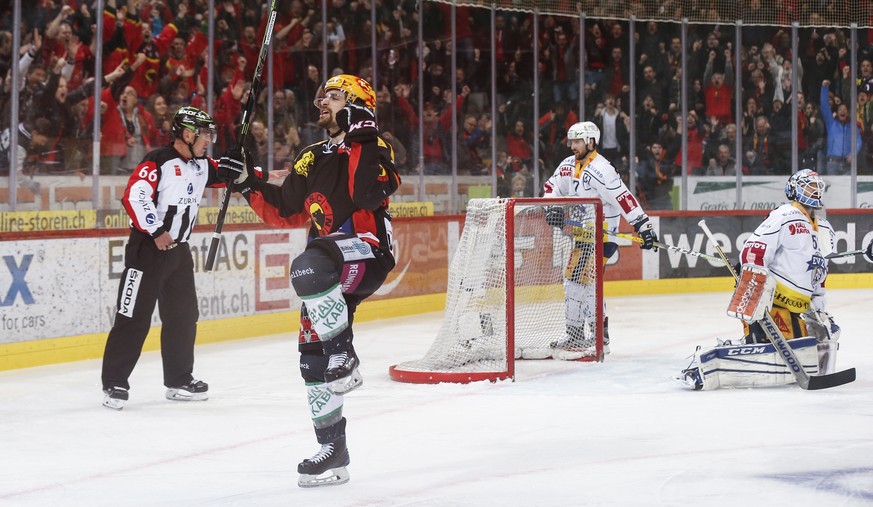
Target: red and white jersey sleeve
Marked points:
139	198
787	244
165	190
595	177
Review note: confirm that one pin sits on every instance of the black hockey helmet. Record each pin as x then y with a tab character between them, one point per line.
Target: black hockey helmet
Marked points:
196	120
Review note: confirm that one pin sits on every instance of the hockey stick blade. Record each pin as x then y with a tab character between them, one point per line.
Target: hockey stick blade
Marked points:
833	380
804	380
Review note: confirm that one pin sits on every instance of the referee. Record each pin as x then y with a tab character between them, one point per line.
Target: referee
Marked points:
162	199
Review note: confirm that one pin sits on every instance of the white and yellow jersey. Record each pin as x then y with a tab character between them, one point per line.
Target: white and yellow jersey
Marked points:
788	244
594	177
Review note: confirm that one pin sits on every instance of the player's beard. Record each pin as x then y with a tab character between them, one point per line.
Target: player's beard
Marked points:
327	122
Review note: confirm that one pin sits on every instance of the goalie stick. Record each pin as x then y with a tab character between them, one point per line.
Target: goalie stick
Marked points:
637	239
804	379
248	113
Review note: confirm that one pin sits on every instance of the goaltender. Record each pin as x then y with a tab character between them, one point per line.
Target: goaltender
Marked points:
787	253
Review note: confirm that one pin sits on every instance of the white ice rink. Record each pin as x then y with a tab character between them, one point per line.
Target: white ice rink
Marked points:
621	433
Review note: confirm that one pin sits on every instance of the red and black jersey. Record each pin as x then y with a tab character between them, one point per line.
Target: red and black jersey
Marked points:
165	190
338	188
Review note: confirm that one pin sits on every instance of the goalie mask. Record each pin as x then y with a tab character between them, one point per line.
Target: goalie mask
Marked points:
806	187
585	130
355	89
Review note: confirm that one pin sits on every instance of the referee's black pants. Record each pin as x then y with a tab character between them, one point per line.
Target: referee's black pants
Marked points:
153	276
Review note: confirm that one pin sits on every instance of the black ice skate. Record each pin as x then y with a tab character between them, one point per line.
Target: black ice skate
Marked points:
115	398
195	390
341	375
327	467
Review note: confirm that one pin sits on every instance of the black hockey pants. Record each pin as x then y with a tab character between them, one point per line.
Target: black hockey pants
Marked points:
153	276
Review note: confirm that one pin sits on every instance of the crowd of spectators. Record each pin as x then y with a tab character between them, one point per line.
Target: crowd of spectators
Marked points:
155	59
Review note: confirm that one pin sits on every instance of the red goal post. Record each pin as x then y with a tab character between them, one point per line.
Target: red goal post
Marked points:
505	298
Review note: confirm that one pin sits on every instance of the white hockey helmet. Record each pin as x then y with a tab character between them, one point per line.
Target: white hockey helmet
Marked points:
585	130
806	187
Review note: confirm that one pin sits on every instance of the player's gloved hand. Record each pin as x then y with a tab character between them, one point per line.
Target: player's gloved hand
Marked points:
647	233
358	122
832	327
232	167
555	216
869	252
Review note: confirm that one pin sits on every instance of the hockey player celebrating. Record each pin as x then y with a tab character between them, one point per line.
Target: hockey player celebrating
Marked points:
783	272
341	186
588	174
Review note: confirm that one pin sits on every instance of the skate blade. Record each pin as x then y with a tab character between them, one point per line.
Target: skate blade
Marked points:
337	476
180	395
113	403
348	384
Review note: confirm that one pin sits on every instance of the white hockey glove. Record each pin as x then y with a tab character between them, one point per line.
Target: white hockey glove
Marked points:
753	295
232	167
821	325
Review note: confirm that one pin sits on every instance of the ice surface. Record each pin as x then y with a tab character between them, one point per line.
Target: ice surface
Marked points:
621	433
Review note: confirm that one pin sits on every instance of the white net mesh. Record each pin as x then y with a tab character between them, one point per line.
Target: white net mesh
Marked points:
474	338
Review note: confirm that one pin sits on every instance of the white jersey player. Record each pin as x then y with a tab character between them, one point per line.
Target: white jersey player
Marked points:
788	249
588	174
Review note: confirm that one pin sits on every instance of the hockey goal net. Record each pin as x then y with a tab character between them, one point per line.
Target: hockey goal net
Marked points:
505	298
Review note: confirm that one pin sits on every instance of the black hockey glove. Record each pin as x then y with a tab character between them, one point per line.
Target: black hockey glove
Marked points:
555	216
358	122
232	167
647	233
869	252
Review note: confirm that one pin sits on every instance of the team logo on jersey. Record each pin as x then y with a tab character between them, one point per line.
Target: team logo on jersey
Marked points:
302	165
627	201
320	212
798	228
586	181
819	267
178	170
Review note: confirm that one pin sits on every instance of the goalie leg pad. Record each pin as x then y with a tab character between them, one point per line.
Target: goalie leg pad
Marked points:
753	294
753	365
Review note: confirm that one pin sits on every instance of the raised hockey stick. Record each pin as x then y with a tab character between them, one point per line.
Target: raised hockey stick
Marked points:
637	239
804	380
247	115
